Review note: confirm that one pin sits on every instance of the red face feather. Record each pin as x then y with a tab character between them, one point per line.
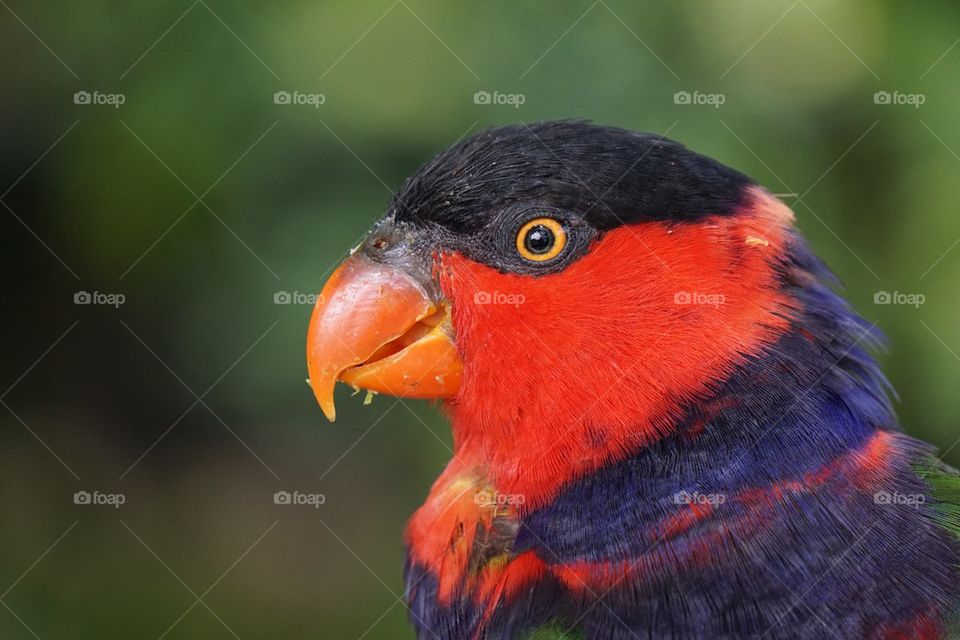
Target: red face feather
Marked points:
659	309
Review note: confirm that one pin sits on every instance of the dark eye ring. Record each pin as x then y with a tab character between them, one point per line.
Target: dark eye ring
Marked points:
541	239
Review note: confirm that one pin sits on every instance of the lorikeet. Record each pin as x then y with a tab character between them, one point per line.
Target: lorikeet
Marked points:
667	424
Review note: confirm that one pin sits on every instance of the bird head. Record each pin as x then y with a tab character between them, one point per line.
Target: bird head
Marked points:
557	281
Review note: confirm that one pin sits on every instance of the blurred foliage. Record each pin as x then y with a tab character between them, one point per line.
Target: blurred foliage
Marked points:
199	198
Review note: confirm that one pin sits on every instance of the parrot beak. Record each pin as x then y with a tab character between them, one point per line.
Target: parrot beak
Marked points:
376	327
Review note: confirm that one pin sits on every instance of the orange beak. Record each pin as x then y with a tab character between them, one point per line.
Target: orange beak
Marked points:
376	327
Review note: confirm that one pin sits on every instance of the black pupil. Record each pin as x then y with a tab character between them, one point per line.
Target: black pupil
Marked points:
539	239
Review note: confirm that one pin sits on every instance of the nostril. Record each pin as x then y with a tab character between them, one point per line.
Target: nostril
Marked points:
380	244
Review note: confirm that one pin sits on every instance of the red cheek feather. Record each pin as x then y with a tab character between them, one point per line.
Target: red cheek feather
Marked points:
567	371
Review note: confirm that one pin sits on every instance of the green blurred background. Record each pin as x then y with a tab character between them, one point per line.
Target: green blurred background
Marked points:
200	199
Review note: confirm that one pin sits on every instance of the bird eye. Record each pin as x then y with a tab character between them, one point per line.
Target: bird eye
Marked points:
541	239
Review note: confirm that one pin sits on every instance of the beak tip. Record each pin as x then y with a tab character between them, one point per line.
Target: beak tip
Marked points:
328	407
323	392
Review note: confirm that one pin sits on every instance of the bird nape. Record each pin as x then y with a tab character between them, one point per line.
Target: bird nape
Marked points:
666	422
